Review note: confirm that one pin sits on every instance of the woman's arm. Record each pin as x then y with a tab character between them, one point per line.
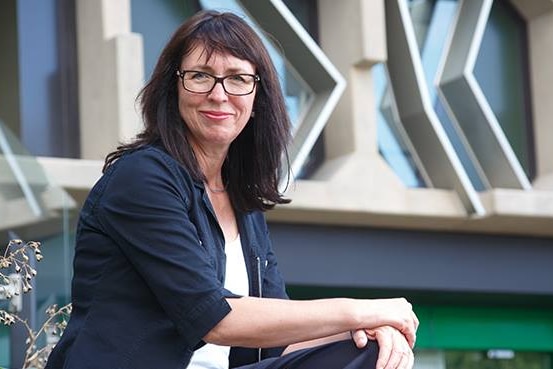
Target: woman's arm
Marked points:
317	342
265	322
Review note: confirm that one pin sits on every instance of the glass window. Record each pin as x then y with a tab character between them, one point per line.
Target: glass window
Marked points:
306	12
42	94
156	21
432	21
502	73
32	202
501	70
34	209
391	143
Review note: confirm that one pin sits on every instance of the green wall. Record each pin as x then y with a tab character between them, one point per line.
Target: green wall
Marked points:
474	328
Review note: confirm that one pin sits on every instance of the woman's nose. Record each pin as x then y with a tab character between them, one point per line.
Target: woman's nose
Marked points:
218	92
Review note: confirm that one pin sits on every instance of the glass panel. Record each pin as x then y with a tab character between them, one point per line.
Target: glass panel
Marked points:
33	208
306	13
19	195
497	359
502	72
156	21
47	69
391	144
432	21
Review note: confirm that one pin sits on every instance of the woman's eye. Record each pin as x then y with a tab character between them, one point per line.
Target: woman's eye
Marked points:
199	76
237	78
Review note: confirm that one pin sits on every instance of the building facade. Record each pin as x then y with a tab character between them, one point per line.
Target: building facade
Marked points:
421	160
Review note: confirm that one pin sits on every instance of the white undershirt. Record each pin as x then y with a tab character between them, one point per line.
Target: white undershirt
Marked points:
212	356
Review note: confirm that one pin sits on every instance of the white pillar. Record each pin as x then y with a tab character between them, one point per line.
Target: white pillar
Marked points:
111	73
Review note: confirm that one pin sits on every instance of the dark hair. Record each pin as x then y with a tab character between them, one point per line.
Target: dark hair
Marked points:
253	166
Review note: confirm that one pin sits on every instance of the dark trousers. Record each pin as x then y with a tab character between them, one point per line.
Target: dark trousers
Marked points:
335	355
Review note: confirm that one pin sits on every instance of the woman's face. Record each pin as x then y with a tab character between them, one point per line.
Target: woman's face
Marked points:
214	119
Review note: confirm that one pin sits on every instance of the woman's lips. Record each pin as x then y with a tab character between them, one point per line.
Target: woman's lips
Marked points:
216	115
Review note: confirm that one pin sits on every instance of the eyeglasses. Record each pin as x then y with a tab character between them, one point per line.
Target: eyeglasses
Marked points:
203	83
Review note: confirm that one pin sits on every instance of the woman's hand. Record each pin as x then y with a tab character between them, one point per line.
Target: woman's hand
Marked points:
397	313
394	350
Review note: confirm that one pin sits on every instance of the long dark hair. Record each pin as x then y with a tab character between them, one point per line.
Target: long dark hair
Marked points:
253	166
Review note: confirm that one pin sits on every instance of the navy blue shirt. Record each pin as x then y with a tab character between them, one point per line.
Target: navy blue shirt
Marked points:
149	269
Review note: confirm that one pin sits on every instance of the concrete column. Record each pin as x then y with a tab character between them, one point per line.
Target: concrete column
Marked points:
111	73
352	34
540	30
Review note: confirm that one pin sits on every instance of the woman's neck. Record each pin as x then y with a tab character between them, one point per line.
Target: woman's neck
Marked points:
211	164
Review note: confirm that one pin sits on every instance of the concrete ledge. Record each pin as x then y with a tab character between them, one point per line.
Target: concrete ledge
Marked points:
328	203
515	212
72	174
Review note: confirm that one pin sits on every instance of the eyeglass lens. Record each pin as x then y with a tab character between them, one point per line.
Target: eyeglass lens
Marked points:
235	84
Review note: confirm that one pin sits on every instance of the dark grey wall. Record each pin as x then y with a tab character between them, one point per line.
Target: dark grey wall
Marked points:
408	260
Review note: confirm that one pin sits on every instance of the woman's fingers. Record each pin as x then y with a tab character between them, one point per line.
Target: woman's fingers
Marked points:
411	326
410	336
415	319
413	340
411	360
407	360
394	350
385	346
360	338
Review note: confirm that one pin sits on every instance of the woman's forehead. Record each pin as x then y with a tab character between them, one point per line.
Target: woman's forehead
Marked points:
199	54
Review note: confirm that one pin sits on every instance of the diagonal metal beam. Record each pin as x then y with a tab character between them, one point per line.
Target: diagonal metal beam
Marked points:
463	96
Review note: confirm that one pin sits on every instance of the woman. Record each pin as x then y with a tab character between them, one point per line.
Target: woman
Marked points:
173	255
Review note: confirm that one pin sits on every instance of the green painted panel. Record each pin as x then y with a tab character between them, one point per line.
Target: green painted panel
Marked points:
4	346
465	321
474	328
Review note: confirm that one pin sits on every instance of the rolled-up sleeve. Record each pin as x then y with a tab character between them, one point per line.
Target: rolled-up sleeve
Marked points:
144	209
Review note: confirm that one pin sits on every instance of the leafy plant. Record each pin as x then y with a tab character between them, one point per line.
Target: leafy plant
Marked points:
16	257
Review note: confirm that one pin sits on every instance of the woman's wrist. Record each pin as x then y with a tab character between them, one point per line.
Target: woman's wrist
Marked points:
361	314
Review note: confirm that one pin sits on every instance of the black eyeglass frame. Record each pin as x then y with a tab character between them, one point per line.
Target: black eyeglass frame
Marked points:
256	79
